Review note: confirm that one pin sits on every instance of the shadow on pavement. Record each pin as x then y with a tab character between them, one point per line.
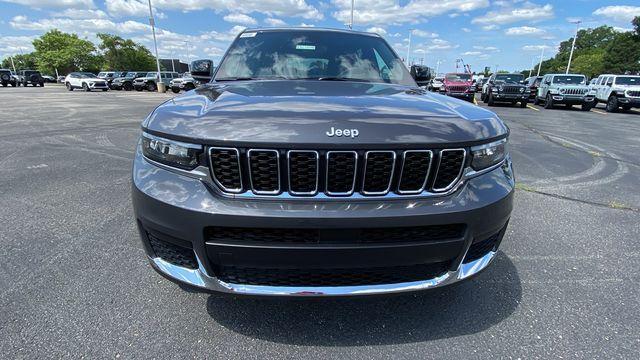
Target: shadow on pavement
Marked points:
465	308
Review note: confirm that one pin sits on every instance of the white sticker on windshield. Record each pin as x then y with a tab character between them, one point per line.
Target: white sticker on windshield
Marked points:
305	47
248	34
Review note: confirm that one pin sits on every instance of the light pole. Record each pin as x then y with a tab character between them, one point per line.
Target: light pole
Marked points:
541	57
438	66
155	44
533	59
409	47
573	45
13	64
188	57
351	23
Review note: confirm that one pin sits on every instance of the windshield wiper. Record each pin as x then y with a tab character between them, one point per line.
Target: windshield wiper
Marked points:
337	78
248	78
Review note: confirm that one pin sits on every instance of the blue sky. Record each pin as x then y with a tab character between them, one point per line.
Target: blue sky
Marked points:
504	33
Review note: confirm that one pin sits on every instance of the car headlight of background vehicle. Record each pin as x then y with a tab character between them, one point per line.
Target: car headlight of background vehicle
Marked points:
169	152
487	155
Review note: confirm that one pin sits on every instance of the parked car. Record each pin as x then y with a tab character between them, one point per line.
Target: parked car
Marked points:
505	88
109	76
61	79
7	78
436	83
125	82
85	81
421	74
459	85
202	70
186	83
480	82
567	89
353	181
48	79
533	83
32	77
149	81
617	91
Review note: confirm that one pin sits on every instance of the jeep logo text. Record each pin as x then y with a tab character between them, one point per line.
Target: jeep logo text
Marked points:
343	132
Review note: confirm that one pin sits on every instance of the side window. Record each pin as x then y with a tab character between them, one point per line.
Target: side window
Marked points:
600	80
610	81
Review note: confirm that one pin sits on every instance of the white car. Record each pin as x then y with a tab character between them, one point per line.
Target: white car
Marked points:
617	91
85	81
436	84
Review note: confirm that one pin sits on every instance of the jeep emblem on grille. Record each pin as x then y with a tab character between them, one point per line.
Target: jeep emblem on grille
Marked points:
343	132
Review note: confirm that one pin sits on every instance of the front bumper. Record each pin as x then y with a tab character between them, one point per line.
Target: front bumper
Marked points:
510	97
572	99
460	95
181	208
633	102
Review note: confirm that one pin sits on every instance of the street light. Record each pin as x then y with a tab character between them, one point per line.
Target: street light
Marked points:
188	55
438	66
541	57
409	47
155	44
573	45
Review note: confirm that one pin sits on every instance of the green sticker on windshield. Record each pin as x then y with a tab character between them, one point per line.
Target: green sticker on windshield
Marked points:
305	47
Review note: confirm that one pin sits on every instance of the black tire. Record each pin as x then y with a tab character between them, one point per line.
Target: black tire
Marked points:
189	87
41	84
587	106
175	90
612	104
13	84
69	87
490	101
85	87
4	84
548	102
152	87
138	88
127	86
523	103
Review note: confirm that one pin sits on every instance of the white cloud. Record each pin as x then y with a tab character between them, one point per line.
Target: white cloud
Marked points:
57	4
134	8
238	18
384	12
486	48
281	8
275	22
81	14
467	30
12	45
490	27
524	31
471	53
306	25
424	34
619	13
525	12
535	47
378	30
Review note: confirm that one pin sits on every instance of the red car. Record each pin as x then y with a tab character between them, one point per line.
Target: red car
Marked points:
459	85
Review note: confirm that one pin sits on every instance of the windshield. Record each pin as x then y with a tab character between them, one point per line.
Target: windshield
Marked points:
86	75
458	77
132	74
438	79
152	74
102	74
569	79
317	55
628	80
509	78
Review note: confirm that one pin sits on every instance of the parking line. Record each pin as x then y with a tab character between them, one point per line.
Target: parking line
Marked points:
532	108
599	112
475	101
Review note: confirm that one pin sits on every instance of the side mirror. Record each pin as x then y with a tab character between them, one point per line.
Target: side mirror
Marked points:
202	70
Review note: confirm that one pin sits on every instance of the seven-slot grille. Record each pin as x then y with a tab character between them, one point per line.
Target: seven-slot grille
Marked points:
457	88
633	93
335	173
511	89
574	91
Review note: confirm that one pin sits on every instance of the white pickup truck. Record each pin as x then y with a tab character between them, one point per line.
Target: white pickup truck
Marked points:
617	91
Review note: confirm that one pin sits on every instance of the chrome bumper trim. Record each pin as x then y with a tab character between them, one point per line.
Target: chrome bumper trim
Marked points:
199	278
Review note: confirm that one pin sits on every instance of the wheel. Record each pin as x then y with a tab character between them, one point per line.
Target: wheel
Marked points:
85	87
523	103
189	87
175	90
612	104
104	90
138	88
490	100
626	107
548	102
69	87
127	86
587	106
152	86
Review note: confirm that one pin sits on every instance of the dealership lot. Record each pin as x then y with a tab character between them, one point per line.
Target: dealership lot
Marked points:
75	280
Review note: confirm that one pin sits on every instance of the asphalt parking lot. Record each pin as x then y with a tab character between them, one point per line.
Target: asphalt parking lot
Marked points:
74	279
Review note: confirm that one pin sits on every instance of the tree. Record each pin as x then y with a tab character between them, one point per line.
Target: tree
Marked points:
121	54
22	62
589	63
623	54
65	52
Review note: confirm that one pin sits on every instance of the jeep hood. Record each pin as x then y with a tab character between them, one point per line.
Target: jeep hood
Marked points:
300	113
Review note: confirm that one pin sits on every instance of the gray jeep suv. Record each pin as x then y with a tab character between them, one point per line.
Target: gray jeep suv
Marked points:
313	165
567	89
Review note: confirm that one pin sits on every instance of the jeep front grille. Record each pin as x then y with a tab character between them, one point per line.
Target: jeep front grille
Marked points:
633	93
458	88
574	91
309	173
511	89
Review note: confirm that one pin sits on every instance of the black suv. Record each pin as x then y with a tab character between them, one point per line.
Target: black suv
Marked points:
32	77
505	88
125	82
6	78
422	74
333	174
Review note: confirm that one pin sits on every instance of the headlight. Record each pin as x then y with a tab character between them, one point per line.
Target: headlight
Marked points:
500	88
170	152
484	156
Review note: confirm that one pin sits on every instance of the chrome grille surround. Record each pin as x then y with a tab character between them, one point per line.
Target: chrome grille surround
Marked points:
391	173
457	178
426	177
213	172
251	176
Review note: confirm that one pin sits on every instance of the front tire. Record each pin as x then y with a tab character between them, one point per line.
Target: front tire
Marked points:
175	90
85	87
548	102
490	101
612	104
152	87
69	87
586	106
127	86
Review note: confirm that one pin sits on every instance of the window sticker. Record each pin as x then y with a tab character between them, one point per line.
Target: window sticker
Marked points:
248	34
305	47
